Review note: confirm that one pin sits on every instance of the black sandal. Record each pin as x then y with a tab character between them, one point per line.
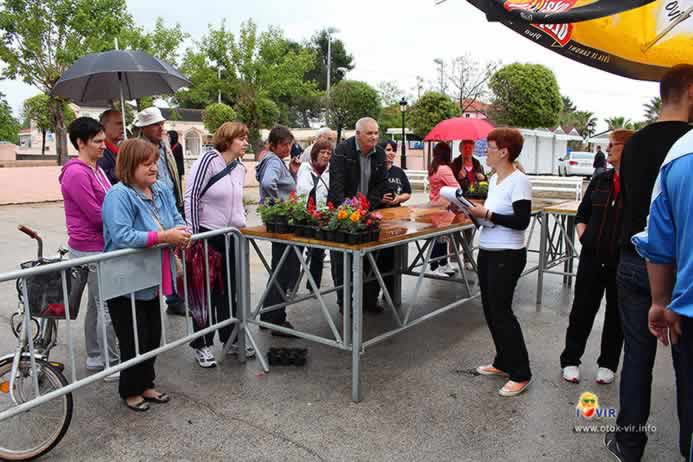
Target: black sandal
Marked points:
142	406
161	398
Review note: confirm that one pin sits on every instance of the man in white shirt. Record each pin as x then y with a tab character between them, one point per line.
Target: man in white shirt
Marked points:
324	134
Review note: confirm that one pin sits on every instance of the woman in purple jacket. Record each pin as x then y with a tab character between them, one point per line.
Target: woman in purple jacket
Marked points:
84	186
214	200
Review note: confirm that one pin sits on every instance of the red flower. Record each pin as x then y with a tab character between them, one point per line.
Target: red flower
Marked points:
363	201
330	206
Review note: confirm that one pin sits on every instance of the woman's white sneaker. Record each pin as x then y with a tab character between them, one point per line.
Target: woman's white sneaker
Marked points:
571	374
205	358
605	376
447	269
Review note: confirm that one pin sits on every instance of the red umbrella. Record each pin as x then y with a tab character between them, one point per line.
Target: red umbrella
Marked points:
460	128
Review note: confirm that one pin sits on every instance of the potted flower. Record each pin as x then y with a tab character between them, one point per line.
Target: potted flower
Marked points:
373	226
355	227
302	217
267	214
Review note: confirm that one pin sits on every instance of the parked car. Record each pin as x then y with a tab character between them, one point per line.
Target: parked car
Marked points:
576	163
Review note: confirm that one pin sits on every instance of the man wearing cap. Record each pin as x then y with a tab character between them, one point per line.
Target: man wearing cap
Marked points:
151	125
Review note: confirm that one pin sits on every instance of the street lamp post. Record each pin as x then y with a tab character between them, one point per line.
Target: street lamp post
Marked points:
330	31
403	109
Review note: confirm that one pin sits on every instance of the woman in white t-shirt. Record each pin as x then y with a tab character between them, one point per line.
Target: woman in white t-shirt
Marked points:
503	256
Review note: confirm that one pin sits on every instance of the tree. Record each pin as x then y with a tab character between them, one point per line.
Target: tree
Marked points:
40	39
526	95
468	78
585	123
429	110
390	93
246	70
339	58
37	108
217	114
390	117
653	109
162	42
568	105
619	122
349	101
9	126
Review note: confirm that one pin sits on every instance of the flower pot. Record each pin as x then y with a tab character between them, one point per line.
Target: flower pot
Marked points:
309	232
330	235
271	227
353	238
373	235
290	228
340	236
365	237
299	230
281	228
320	234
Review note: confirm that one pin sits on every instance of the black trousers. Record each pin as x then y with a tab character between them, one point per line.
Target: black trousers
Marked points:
220	300
317	263
370	289
136	379
593	279
286	279
386	263
682	353
499	272
440	249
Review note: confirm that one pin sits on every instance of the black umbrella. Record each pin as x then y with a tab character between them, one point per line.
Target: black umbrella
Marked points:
98	78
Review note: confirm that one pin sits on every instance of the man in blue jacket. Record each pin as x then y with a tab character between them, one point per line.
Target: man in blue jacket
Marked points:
666	246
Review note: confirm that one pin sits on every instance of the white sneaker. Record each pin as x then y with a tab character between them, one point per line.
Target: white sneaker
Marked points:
205	358
447	269
115	377
571	374
605	376
249	351
94	364
437	272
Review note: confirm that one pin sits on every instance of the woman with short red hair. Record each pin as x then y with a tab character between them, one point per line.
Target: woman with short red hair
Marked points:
503	256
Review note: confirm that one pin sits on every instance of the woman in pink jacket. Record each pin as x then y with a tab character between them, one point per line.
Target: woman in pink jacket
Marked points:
84	186
440	174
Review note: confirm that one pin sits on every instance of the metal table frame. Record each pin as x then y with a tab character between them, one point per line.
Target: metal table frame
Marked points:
353	261
556	247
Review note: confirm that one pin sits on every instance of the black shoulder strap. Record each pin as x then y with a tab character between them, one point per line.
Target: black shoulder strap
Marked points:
228	169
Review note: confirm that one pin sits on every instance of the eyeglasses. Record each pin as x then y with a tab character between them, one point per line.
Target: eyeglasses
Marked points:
588	401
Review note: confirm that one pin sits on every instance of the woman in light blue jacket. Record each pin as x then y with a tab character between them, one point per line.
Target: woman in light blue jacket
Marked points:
137	213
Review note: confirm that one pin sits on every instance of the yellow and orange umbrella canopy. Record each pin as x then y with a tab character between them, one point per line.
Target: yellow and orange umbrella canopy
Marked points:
639	39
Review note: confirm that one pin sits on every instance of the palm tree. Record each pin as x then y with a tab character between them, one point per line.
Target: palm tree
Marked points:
653	109
585	123
619	122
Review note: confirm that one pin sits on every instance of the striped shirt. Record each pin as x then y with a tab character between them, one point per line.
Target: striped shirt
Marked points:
222	204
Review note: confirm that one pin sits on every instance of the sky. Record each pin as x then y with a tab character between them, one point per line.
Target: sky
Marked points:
395	40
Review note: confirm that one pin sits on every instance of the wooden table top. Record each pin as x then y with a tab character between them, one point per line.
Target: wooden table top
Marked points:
564	208
399	224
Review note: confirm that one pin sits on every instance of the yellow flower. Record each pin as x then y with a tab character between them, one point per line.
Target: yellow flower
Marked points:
342	215
355	217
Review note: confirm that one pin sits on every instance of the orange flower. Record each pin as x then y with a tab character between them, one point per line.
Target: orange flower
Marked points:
355	217
342	215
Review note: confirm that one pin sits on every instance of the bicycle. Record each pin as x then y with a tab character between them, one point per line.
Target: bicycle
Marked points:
34	432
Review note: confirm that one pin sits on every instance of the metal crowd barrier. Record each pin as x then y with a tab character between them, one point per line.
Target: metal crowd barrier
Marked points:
119	273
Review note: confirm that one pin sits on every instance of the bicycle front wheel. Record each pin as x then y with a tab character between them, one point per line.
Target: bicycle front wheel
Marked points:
32	433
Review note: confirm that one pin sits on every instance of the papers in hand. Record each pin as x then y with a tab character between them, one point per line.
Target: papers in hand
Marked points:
455	197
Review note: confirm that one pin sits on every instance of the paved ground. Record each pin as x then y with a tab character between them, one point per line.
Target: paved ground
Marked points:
421	403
